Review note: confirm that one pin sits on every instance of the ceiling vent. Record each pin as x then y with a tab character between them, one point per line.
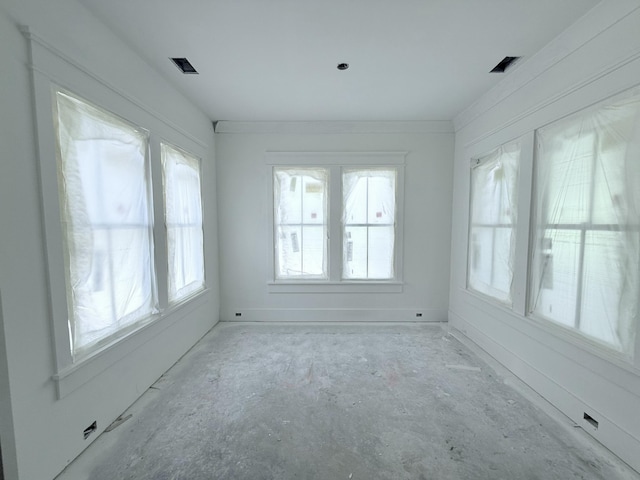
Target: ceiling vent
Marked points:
184	65
505	63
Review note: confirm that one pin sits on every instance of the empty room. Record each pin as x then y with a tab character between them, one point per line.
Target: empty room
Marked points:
344	239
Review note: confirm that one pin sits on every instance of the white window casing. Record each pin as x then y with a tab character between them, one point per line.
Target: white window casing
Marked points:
493	222
104	189
368	223
340	171
183	221
585	252
300	228
104	233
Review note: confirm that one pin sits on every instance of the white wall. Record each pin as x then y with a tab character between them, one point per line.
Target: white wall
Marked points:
597	57
243	179
40	433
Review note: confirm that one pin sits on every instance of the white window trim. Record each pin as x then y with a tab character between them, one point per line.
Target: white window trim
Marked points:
180	299
519	283
52	69
521	303
596	346
335	162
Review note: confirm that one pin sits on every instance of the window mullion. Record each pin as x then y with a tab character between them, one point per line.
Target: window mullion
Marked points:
583	235
367	206
335	228
301	225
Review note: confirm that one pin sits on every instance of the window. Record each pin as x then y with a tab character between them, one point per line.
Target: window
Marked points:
300	221
586	246
103	174
493	216
183	218
369	212
336	224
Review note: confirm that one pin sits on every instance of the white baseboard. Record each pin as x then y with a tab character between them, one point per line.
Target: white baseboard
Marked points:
611	435
333	315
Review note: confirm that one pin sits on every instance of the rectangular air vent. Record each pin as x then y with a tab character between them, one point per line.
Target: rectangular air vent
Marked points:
184	65
90	429
505	63
590	420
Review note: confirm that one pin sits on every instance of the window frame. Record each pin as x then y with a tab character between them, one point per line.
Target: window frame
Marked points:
198	161
476	161
335	162
78	353
573	332
367	224
51	70
299	171
519	285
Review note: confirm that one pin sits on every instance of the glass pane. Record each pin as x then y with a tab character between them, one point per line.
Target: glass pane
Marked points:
313	250
313	201
131	272
289	251
113	183
288	197
610	204
381	252
480	259
559	276
602	286
570	180
382	197
354	253
186	260
490	270
93	291
354	192
502	270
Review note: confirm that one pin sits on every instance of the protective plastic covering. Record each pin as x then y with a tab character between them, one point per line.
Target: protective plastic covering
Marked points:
494	211
369	223
300	217
106	222
183	218
586	243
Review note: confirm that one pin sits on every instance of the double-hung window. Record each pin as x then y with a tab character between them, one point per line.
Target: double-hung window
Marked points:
369	212
336	220
183	218
585	264
493	218
300	222
104	180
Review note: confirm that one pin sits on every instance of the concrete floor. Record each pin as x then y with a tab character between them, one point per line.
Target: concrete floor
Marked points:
259	401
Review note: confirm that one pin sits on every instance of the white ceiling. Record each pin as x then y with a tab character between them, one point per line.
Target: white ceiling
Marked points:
262	60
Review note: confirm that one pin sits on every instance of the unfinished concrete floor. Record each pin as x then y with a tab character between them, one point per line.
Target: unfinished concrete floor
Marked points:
260	401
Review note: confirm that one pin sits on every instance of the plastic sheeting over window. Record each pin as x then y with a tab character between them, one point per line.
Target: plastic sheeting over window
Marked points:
586	244
493	218
106	222
300	216
369	223
183	218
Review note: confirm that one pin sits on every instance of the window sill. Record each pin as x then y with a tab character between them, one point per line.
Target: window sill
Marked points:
83	370
559	333
335	287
